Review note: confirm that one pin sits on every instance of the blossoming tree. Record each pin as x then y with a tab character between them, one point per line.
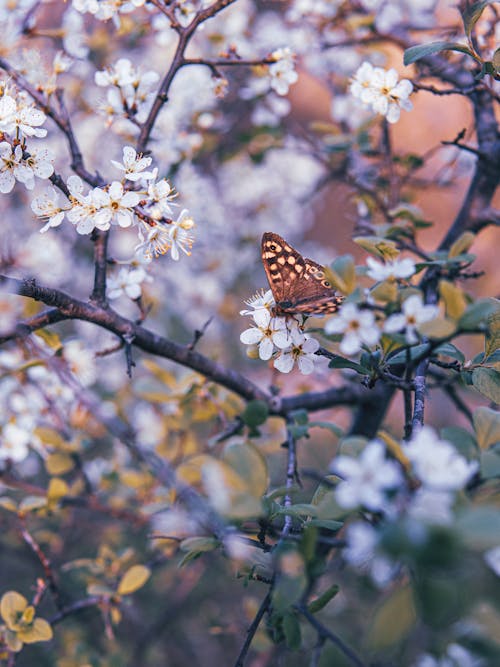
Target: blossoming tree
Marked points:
167	498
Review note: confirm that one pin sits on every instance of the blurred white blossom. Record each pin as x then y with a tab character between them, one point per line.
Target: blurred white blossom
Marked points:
437	463
415	312
366	479
380	90
358	326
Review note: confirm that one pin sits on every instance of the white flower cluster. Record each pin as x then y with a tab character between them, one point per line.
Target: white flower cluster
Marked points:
130	91
380	90
114	204
36	396
19	121
279	337
282	73
372	482
107	9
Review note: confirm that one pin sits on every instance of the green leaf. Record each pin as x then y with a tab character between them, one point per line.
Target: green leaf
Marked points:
340	362
415	53
462	244
291	628
487	427
393	620
255	413
333	428
329	524
479	313
490	465
449	350
492	340
133	579
487	383
250	465
415	352
342	274
464	441
323	599
199	544
300	417
472	14
480	527
299	510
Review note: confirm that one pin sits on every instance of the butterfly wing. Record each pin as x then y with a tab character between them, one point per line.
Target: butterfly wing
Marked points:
298	284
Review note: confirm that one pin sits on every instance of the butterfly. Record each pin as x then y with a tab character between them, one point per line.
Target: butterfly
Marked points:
298	284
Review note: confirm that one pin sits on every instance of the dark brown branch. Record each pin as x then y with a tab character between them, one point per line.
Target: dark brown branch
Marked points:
100	264
266	602
146	340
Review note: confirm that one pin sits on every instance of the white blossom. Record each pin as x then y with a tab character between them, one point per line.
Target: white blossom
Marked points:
365	479
432	506
260	301
396	269
81	362
414	313
361	552
436	463
180	235
358	326
14	443
134	165
127	282
380	90
114	205
269	334
301	351
282	73
46	206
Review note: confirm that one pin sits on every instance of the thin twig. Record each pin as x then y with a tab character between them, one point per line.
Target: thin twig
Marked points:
265	604
323	631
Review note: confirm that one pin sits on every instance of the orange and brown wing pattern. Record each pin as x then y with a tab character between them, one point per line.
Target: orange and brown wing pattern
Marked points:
298	284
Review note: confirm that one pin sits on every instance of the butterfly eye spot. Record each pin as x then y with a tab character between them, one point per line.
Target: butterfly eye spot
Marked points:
325	283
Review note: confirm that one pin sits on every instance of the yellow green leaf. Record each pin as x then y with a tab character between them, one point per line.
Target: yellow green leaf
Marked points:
382	248
50	338
454	299
133	579
462	244
31	503
12	641
492	341
40	631
12	606
59	463
250	465
392	620
438	328
28	614
487	427
57	489
385	291
487	382
50	436
8	504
